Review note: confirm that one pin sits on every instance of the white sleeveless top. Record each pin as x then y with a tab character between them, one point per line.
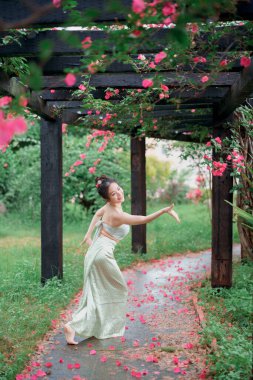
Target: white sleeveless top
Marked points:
117	232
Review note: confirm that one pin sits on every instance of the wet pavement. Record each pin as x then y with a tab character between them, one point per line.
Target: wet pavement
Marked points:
161	340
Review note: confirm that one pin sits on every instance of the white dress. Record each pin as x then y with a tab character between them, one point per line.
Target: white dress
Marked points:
102	308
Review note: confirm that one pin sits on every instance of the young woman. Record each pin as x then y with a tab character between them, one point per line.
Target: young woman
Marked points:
102	308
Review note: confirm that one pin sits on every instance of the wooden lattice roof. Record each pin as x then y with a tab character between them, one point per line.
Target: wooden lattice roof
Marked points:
226	92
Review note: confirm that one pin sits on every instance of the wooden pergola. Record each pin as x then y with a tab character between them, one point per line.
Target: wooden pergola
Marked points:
218	101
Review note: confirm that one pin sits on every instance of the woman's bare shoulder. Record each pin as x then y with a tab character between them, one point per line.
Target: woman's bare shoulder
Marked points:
100	212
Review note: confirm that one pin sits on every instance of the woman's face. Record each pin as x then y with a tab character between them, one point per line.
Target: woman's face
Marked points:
115	194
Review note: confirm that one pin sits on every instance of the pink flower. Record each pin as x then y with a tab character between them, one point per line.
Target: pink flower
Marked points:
70	79
151	358
199	59
77	365
147	83
152	65
160	56
118	363
208	143
108	94
92	68
82	156
188	345
5	100
56	3
224	62
219	168
23	101
82	87
164	88
138	6
135	33
245	61
141	57
175	360
86	42
194	28
93	352
167	21
103	359
92	171
64	127
77	163
169	9
218	140
204	79
70	366
48	364
40	373
52	91
177	370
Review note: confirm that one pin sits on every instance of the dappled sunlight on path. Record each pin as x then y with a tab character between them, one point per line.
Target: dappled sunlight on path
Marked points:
162	330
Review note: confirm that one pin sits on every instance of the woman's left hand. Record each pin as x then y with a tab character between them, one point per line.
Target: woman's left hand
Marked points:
173	213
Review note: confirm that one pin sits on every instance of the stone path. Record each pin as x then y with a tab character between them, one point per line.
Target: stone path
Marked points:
162	330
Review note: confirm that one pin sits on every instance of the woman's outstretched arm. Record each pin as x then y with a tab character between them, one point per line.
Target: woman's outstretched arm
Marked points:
125	218
87	238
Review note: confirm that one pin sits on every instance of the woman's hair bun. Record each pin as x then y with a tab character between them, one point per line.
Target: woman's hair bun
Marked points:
102	184
101	178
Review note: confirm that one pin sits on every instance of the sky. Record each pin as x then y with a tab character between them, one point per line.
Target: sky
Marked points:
156	148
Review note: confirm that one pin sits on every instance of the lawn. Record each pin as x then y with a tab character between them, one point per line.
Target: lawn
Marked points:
227	333
27	309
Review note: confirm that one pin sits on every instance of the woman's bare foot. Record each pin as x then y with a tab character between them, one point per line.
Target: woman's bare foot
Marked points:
69	335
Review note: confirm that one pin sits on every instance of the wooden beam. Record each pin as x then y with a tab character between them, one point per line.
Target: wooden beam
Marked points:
134	80
237	94
222	233
14	87
18	13
209	95
68	104
138	192
51	200
45	14
58	64
29	46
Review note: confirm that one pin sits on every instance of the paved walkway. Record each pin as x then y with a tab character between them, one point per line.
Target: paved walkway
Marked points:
161	339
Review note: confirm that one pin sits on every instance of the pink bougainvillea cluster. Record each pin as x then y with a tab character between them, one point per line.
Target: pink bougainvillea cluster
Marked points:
10	124
195	195
96	135
217	168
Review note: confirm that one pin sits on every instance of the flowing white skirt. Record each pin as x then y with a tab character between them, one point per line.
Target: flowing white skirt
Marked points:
102	309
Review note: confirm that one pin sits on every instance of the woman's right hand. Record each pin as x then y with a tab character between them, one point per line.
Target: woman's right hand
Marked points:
86	240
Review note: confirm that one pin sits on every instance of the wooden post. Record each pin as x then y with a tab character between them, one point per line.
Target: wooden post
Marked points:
222	231
51	200
138	192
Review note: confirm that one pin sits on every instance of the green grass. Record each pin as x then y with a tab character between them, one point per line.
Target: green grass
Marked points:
228	330
27	308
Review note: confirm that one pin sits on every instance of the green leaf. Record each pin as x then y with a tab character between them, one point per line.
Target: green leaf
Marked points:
180	36
34	80
243	214
45	49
